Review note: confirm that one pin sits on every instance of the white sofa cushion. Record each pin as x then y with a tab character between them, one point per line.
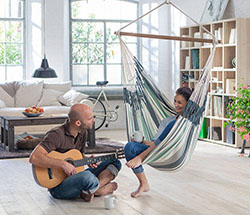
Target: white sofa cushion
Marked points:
48	111
63	86
10	87
55	110
72	97
50	98
28	93
6	98
11	112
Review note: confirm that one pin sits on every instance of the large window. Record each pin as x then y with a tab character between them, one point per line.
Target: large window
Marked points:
95	49
11	40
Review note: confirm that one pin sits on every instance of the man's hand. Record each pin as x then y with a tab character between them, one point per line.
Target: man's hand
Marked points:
93	165
69	169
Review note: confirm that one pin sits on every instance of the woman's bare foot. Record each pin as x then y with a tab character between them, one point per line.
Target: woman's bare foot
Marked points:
135	162
140	190
107	189
87	197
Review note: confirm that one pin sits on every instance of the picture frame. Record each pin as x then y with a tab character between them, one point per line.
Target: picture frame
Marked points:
213	11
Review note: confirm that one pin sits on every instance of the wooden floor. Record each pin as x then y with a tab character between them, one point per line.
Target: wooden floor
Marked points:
216	181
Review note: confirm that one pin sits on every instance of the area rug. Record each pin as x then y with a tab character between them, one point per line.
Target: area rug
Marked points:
103	145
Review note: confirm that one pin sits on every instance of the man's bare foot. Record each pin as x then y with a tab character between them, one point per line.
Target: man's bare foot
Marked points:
107	189
140	190
87	197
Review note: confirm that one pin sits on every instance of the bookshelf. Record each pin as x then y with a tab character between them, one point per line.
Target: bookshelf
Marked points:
231	67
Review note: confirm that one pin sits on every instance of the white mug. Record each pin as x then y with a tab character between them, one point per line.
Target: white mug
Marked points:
138	136
110	201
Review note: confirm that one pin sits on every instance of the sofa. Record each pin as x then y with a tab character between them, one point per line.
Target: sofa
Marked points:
55	98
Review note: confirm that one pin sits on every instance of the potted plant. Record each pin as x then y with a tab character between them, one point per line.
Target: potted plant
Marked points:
239	108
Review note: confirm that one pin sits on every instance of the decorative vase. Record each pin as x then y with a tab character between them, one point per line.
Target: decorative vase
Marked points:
234	62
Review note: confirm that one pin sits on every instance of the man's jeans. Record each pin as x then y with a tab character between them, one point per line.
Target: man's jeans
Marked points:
131	150
86	181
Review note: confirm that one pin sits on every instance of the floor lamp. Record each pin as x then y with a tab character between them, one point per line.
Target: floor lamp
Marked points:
44	71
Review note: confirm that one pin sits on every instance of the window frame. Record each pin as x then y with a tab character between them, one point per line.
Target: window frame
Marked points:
105	22
23	43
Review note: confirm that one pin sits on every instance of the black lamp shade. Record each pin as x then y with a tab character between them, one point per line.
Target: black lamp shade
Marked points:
45	71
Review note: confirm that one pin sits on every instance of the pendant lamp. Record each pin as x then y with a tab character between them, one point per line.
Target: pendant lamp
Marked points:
44	71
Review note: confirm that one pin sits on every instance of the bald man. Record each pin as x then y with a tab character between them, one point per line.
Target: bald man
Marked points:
94	181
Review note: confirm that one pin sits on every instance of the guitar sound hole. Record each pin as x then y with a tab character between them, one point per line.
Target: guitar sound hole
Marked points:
69	160
50	173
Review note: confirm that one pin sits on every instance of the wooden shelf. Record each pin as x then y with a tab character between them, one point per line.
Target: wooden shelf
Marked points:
225	78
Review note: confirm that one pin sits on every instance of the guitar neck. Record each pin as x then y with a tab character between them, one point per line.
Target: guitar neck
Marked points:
91	160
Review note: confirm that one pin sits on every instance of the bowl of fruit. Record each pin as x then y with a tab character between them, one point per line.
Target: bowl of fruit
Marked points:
33	111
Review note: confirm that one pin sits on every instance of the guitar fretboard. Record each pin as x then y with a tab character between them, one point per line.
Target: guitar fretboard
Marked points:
90	160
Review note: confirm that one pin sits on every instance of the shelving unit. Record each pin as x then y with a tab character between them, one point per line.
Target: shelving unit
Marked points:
225	77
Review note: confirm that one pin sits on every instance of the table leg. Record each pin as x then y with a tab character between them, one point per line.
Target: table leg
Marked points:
4	133
2	130
10	137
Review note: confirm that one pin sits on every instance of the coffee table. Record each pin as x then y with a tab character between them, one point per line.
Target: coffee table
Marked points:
8	128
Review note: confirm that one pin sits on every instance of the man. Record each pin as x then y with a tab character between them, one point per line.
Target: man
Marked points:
96	180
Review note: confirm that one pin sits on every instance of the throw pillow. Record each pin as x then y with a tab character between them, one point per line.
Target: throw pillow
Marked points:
72	97
6	98
2	104
63	86
28	93
10	87
50	98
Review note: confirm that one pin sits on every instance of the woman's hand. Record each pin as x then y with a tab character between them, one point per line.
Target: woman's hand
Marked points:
135	162
149	143
133	140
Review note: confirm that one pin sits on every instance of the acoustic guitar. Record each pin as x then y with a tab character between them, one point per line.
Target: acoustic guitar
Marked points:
51	177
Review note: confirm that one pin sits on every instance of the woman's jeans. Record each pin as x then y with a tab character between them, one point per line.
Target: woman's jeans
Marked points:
85	181
131	150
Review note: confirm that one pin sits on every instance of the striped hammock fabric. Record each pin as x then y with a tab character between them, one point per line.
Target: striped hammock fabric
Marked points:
146	106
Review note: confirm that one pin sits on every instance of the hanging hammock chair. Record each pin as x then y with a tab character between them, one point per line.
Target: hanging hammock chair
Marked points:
146	105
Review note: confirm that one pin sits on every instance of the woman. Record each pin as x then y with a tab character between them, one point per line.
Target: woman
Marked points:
135	152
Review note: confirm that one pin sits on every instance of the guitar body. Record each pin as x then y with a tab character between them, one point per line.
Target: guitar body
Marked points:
50	178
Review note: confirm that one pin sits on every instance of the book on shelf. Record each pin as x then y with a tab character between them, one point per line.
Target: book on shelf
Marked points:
184	44
203	132
217	106
207	36
185	79
197	35
218	33
232	38
227	101
230	86
230	135
195	58
216	133
187	62
208	106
